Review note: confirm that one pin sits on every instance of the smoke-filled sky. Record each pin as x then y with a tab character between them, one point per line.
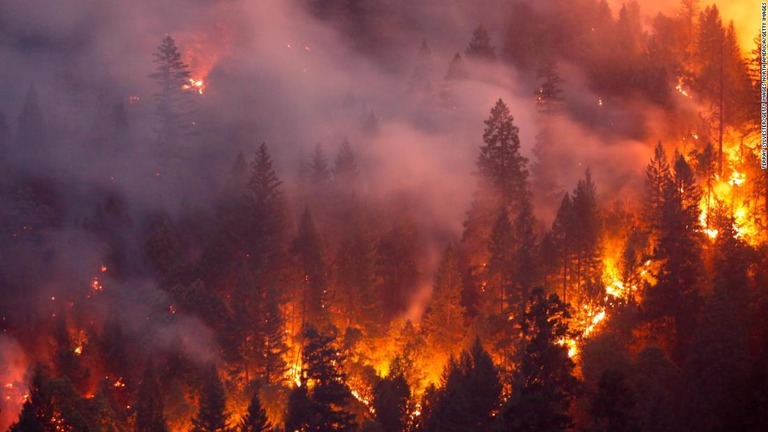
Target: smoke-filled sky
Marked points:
275	74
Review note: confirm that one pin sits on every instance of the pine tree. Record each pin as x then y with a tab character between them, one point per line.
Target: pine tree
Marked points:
500	265
443	321
562	243
149	405
586	242
502	182
483	386
264	227
545	384
451	406
658	177
480	47
678	249
175	105
714	369
29	420
255	420
500	165
271	336
470	393
299	413
37	413
211	415
391	397
329	394
525	273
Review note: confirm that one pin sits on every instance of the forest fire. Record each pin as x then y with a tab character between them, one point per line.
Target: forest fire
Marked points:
469	257
194	85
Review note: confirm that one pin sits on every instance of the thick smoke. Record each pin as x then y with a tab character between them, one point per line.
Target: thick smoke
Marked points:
273	73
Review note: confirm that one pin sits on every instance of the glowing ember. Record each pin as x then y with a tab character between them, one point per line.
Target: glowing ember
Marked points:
96	284
680	89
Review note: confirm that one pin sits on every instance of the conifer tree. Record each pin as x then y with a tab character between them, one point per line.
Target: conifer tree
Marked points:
502	182
329	394
525	273
444	319
149	406
658	177
174	98
678	249
480	47
264	227
255	420
545	384
469	395
500	265
356	280
563	243
391	397
211	415
37	413
586	242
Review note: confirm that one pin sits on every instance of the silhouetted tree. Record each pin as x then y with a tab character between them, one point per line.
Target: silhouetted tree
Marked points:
390	402
149	405
328	392
255	420
545	384
211	414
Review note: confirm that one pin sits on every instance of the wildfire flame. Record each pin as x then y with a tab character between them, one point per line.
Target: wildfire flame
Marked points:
195	85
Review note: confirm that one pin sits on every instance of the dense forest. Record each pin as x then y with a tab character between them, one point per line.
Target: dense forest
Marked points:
433	216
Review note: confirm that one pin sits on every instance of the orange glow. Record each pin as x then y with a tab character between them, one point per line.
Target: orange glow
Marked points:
734	191
195	85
